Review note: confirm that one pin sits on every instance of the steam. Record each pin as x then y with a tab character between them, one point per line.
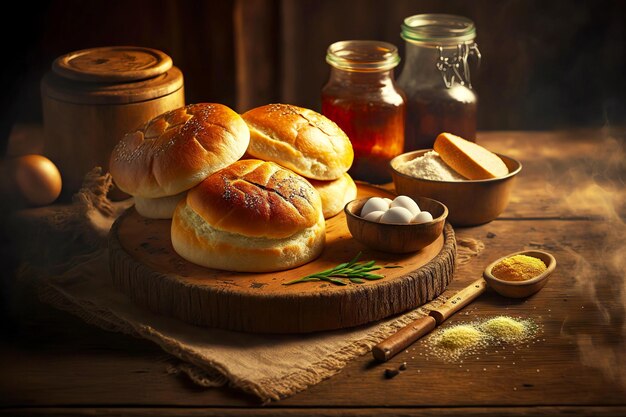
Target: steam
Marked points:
596	187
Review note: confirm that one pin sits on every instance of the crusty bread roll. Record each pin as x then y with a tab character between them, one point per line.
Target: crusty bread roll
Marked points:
175	151
252	216
335	194
469	159
299	139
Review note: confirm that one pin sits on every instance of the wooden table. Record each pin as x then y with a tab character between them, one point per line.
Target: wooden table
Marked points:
569	200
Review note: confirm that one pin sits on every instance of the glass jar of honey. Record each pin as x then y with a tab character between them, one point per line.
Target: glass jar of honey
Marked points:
362	98
436	78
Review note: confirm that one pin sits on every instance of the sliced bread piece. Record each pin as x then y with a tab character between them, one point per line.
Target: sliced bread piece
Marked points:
469	159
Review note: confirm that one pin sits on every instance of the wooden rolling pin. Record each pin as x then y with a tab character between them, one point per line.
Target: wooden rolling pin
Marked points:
397	342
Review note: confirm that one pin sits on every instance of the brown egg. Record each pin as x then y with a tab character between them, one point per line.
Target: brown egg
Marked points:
37	179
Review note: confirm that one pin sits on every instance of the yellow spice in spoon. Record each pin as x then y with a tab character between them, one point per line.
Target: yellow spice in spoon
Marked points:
518	268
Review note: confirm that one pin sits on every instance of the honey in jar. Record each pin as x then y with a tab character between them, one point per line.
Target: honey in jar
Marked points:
436	78
362	98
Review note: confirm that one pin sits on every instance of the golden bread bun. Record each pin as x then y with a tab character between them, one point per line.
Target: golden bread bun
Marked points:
335	194
178	149
469	159
251	216
299	139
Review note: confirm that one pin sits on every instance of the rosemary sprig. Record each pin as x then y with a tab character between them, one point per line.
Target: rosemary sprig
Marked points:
352	271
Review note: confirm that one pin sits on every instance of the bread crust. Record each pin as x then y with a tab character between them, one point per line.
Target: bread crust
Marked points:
178	149
469	159
300	139
158	208
256	198
252	216
335	194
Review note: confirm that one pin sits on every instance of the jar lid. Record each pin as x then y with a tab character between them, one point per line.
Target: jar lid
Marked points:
111	93
438	28
112	64
362	55
112	75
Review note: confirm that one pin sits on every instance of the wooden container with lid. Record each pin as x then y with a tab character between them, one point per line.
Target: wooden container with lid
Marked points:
92	97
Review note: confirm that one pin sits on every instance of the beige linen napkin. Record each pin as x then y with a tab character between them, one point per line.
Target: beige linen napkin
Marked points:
270	367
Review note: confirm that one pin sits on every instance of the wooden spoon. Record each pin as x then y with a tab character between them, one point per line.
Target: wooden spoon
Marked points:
397	342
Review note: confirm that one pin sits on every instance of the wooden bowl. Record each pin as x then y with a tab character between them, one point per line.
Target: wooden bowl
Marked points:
392	237
521	289
470	202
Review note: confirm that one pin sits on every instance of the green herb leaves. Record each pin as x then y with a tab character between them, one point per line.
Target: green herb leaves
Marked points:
353	271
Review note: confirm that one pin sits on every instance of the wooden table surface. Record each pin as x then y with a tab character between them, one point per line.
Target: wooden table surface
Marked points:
569	200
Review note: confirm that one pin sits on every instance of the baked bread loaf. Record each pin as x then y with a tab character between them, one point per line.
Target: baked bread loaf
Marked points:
175	151
299	139
252	216
469	159
335	194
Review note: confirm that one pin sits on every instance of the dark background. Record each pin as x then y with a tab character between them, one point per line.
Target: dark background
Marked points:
546	64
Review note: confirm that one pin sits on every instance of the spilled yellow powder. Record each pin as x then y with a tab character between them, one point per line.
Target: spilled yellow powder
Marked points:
518	268
455	342
460	337
504	328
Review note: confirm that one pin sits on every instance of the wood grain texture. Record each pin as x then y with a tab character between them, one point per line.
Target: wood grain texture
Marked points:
112	64
55	364
138	91
145	266
576	353
397	342
58	360
458	301
92	131
597	411
564	172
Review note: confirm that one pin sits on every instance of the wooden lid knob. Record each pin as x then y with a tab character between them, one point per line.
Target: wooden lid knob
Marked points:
112	64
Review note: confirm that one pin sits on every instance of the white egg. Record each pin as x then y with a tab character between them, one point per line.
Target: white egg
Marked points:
374	215
422	217
374	204
407	203
397	215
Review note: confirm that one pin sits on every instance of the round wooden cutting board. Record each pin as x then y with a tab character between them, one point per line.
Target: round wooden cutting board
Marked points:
145	266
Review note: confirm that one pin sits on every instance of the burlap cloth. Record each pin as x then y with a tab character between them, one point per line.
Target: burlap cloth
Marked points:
270	367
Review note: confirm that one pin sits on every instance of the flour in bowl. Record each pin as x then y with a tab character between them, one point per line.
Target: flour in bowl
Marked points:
429	166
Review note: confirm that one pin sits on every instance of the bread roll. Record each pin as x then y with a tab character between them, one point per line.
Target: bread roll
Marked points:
335	194
469	159
158	208
299	139
252	216
175	151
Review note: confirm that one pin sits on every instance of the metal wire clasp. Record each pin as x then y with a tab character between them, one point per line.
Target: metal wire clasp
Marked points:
456	68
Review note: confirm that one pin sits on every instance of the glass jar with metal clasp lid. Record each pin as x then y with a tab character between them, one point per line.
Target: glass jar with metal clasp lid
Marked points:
436	78
361	96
